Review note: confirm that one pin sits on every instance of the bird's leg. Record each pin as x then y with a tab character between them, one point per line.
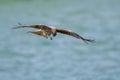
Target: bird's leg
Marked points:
51	37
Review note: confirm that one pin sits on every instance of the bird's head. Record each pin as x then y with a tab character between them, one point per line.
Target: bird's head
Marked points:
53	29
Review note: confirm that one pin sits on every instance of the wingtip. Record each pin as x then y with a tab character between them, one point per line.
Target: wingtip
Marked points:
15	27
89	40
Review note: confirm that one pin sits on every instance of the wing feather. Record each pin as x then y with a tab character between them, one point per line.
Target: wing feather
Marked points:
70	33
37	26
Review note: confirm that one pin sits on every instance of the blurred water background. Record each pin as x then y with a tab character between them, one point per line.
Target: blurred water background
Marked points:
30	57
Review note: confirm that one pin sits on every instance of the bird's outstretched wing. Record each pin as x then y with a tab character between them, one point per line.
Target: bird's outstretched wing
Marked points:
70	33
43	30
37	26
40	33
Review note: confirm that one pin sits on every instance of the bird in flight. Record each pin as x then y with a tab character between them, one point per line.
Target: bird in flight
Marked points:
51	31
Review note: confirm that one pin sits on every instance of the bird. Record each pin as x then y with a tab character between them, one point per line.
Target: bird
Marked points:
51	31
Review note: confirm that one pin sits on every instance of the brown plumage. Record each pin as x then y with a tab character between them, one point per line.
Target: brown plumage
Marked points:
50	31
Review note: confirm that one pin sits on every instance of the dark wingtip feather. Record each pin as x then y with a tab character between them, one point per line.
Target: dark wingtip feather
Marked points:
19	27
80	37
88	40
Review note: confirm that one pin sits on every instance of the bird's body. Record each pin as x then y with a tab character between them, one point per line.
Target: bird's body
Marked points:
51	31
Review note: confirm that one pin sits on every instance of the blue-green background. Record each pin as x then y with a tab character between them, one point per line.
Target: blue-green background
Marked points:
30	57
